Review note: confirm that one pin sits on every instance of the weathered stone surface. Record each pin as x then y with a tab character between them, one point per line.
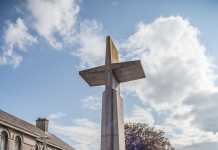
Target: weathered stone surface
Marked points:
112	132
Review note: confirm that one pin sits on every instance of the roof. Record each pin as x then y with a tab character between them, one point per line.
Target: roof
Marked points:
32	130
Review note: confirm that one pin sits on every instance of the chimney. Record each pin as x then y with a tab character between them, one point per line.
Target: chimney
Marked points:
42	123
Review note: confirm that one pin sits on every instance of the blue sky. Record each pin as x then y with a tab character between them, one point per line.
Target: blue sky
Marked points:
42	50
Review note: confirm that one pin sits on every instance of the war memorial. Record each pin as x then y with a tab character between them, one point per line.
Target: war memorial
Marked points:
111	75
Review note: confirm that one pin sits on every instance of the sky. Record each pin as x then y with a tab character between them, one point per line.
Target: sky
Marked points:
45	43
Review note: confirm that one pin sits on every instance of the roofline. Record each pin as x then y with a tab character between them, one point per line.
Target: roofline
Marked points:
17	128
37	137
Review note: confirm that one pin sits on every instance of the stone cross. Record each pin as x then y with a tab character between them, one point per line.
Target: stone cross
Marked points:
111	75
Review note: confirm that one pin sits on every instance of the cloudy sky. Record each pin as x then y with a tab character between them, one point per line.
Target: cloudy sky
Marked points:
44	43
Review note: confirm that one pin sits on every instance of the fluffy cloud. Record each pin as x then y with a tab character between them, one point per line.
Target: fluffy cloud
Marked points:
54	19
16	38
173	58
92	103
82	134
204	108
180	78
183	132
56	116
91	42
139	114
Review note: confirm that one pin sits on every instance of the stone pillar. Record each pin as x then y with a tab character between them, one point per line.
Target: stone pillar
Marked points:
10	144
112	125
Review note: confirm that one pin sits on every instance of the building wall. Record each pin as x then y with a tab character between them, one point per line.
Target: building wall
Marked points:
27	142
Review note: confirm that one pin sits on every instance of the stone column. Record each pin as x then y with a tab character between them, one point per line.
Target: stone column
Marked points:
112	124
10	144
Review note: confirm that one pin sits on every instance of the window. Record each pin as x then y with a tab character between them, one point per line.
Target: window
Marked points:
4	141
17	143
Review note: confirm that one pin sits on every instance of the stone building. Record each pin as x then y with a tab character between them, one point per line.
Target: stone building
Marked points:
17	134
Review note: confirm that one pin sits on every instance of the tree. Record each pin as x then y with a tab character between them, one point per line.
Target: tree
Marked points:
140	136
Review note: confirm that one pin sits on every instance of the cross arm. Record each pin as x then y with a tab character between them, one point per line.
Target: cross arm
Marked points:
94	76
128	71
123	72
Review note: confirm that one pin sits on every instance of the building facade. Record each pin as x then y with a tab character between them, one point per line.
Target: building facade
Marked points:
17	134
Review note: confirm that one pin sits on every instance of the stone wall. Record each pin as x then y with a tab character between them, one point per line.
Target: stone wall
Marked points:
27	142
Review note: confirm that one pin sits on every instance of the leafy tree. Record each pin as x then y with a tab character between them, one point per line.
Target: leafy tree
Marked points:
140	136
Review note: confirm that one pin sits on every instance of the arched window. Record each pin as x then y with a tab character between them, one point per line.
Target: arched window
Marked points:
17	143
4	141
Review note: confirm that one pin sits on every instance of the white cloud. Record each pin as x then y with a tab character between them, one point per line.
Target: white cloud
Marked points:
16	38
180	78
202	146
54	19
92	103
91	41
183	132
57	115
17	35
173	58
204	108
82	134
139	114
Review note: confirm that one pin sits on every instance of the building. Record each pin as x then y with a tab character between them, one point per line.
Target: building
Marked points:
17	134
